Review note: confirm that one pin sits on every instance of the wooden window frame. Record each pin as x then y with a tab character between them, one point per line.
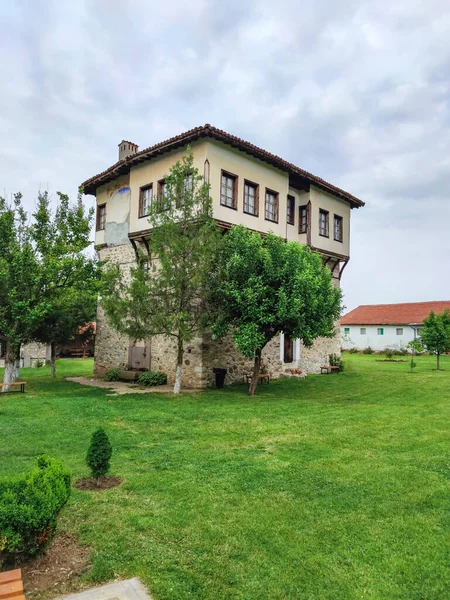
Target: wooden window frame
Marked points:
159	206
142	190
276	205
235	179
327	223
100	208
341	219
255	186
300	220
290	199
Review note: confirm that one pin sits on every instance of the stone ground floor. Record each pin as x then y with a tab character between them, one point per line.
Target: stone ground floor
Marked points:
203	354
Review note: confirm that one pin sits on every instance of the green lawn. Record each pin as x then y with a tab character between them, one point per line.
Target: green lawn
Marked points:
336	486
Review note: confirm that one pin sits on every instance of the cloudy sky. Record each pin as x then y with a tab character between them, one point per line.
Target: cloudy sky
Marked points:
357	92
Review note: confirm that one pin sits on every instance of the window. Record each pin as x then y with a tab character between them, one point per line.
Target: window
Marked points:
362	331
251	198
290	215
101	217
228	192
271	206
380	331
323	223
338	228
346	330
163	201
399	330
302	219
145	200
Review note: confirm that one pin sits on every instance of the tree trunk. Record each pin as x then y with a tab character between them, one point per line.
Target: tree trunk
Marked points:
12	364
438	358
177	386
53	359
256	369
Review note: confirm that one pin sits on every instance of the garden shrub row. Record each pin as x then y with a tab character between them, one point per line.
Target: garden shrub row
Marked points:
29	506
147	378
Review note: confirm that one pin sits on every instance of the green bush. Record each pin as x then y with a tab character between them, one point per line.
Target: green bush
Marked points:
389	353
353	351
336	361
99	453
150	378
113	374
368	350
29	506
38	364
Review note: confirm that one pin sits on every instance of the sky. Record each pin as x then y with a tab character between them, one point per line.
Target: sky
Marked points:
356	92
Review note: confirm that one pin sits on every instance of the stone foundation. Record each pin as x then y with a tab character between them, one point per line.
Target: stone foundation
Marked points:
202	354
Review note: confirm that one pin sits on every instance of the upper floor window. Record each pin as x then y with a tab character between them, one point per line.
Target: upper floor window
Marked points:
101	217
145	200
251	198
290	213
271	206
228	191
338	228
302	219
323	222
162	195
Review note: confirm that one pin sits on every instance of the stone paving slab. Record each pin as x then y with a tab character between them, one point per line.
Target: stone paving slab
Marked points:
130	589
121	387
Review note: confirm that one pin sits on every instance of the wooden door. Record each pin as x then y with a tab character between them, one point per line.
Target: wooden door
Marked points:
288	349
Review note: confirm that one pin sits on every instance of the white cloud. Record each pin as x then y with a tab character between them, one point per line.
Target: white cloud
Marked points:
356	92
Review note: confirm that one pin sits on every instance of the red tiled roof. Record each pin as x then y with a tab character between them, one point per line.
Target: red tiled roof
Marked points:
393	314
208	131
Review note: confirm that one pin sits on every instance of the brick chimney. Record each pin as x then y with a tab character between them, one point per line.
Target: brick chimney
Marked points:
127	149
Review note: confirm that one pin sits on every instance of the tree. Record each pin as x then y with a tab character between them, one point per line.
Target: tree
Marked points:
166	291
44	271
21	305
267	286
435	333
71	276
99	453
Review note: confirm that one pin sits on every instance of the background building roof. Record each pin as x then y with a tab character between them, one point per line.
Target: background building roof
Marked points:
393	314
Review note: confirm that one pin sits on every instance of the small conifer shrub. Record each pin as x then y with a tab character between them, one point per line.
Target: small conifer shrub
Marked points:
99	453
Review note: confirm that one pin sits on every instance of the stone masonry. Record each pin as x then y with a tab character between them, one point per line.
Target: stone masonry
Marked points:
202	354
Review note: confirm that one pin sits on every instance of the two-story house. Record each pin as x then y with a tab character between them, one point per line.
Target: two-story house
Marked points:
249	186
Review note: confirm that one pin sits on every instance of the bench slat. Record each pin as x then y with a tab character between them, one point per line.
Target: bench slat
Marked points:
11	589
7	576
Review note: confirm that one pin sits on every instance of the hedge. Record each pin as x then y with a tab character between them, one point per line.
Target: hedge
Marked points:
150	378
29	506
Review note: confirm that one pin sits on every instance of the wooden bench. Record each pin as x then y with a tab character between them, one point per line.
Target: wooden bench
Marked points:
11	586
328	369
262	378
21	383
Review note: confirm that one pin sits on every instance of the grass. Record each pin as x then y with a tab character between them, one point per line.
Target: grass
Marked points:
333	487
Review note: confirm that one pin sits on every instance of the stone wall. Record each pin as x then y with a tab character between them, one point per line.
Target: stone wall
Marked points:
111	347
202	354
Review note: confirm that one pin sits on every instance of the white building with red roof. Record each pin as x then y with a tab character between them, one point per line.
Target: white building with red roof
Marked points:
383	326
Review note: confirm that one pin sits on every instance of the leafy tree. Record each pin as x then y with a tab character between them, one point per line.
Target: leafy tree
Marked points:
435	333
21	303
168	297
44	272
99	453
267	286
